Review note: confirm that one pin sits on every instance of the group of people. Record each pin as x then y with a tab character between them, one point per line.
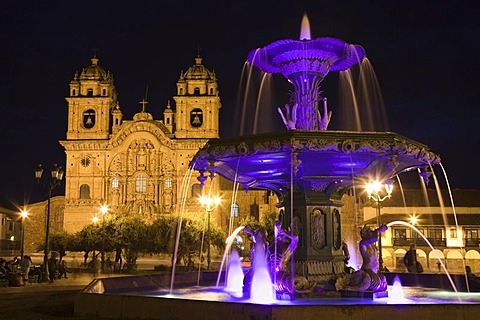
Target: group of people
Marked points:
57	269
16	271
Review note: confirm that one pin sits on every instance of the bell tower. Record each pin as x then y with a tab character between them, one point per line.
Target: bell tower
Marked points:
197	103
93	116
92	98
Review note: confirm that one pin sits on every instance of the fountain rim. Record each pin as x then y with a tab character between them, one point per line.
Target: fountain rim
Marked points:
303	140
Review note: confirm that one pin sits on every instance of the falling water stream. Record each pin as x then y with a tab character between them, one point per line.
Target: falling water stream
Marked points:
406	224
230	239
180	209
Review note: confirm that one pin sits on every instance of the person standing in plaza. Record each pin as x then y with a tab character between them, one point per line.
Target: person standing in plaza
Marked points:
25	264
410	260
52	268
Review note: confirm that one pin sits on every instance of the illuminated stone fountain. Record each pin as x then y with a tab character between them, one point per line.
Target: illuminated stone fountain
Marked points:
309	168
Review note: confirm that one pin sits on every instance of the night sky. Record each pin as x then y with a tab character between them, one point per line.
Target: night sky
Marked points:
424	53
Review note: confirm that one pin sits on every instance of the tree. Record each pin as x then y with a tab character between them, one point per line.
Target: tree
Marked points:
194	229
266	222
88	239
61	242
161	234
131	236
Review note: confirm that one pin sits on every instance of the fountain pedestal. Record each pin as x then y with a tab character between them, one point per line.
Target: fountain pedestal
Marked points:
317	223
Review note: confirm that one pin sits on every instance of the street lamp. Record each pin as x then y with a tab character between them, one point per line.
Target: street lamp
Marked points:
374	190
56	179
413	221
24	214
209	203
104	211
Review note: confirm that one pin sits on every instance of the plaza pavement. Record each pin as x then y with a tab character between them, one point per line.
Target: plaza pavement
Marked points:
55	301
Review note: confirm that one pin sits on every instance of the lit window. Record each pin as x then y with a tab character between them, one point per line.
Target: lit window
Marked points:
115	183
141	183
84	191
168	183
453	233
234	210
196	190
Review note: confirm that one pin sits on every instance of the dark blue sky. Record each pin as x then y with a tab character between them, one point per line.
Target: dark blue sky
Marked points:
425	55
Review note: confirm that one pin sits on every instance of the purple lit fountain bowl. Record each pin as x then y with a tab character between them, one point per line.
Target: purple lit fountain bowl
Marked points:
318	56
324	161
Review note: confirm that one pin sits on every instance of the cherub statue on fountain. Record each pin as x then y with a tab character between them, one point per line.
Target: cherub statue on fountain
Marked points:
368	278
280	264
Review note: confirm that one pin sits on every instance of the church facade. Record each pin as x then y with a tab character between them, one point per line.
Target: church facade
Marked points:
141	165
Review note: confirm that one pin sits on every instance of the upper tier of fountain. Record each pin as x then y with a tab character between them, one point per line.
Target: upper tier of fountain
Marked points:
305	63
318	56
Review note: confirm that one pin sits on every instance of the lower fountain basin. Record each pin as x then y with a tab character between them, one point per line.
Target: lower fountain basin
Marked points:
147	297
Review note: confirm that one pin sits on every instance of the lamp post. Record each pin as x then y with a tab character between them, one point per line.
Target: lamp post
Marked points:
24	214
413	221
56	179
374	190
94	258
209	203
104	211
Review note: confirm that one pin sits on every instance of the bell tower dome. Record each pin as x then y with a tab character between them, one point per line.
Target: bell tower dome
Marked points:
197	103
92	98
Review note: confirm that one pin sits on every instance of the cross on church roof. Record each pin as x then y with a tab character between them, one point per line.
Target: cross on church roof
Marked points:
144	101
198	51
94	50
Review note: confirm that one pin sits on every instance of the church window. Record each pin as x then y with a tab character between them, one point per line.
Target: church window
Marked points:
58	214
181	90
89	92
234	210
104	93
74	93
196	190
115	183
89	118
141	183
84	191
168	183
196	117
196	91
211	91
168	120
